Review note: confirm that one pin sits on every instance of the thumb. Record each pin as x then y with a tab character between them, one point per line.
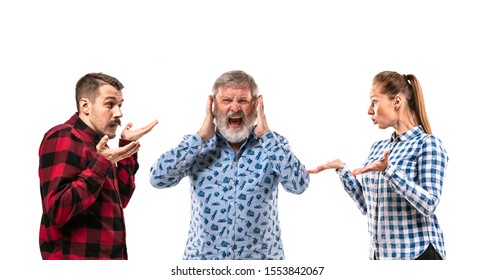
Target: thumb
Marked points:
386	154
102	142
128	126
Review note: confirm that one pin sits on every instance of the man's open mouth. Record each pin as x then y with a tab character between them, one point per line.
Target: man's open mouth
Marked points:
235	121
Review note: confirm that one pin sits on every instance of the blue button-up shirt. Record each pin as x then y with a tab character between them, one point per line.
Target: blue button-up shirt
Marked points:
400	202
234	197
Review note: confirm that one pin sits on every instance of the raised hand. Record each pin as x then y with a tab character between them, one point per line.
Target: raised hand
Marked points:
262	127
208	127
334	164
134	135
116	154
379	165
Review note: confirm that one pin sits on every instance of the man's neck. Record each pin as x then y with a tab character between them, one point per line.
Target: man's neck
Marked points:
236	146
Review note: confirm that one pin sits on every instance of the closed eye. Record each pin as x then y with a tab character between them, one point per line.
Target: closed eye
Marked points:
226	101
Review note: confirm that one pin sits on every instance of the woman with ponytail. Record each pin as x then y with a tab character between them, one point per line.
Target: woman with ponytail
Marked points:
400	184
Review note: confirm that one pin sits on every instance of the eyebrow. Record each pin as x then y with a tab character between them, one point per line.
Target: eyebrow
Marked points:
112	98
233	98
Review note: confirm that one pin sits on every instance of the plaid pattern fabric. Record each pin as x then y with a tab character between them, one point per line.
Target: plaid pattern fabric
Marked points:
400	202
83	195
234	197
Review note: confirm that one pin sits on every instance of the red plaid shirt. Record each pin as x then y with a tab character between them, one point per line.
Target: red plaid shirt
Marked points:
82	198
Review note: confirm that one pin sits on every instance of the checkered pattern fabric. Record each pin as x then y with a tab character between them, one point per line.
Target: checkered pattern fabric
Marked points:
83	195
400	202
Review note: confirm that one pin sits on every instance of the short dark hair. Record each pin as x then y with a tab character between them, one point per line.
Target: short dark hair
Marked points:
88	86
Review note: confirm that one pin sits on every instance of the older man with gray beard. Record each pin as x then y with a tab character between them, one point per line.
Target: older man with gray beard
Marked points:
235	164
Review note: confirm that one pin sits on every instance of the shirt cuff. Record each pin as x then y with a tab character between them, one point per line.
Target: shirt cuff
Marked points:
396	177
100	166
123	142
269	140
343	171
389	171
194	140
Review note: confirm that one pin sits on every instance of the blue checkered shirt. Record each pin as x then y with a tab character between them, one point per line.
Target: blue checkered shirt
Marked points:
400	202
234	197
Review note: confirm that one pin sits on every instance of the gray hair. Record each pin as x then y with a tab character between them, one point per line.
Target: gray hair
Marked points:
236	79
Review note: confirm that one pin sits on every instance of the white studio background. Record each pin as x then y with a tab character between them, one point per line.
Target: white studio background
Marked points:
313	61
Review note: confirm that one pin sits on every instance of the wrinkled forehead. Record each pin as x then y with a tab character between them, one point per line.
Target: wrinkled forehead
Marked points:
108	91
234	91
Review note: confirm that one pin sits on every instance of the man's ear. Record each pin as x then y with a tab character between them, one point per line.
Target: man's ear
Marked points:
84	105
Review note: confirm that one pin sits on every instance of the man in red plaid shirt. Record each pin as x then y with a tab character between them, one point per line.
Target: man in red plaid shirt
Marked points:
84	184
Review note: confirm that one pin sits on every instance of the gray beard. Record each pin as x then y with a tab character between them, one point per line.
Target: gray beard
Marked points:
235	135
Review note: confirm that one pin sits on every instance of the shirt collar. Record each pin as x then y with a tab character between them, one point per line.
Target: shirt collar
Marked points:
410	134
88	133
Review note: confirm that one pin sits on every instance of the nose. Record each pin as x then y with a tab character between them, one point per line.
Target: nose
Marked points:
370	111
235	106
117	113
